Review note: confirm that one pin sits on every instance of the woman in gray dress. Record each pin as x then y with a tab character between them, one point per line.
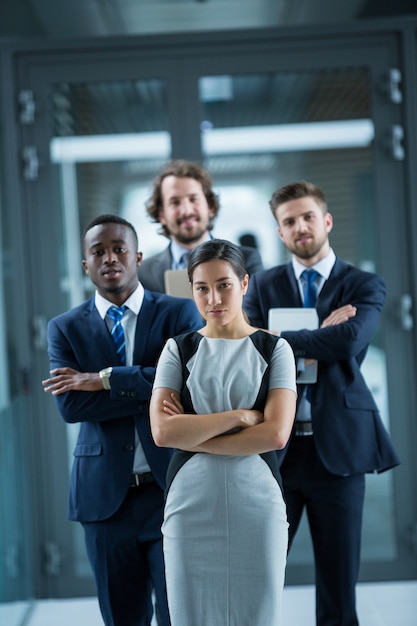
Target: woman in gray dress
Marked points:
224	398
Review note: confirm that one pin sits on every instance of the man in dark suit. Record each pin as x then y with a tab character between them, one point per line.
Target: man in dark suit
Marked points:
338	434
185	205
118	476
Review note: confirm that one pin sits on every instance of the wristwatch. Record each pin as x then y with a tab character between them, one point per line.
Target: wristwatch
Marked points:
105	377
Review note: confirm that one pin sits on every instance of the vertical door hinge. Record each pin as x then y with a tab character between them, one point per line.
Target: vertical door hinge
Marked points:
394	89
11	559
396	142
30	163
52	558
412	537
39	329
406	312
26	107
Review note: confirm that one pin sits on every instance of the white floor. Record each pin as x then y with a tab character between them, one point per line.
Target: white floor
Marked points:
379	604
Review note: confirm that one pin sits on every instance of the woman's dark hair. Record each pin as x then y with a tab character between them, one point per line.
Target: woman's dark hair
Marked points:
217	249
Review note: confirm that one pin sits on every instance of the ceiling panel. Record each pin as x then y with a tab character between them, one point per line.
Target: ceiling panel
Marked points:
90	18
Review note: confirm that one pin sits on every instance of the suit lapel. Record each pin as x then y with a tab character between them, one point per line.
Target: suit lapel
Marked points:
96	329
145	320
330	297
285	285
161	263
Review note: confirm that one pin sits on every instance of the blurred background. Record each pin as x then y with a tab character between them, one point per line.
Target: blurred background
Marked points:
96	95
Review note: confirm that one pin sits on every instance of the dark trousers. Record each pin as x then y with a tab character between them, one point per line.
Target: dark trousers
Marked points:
334	506
125	553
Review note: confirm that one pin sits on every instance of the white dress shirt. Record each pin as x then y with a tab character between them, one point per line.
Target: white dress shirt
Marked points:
134	304
323	267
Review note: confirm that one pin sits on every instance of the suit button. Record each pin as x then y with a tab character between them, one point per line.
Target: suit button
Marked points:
129	447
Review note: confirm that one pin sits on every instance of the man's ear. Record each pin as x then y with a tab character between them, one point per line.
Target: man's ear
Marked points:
328	220
280	233
84	264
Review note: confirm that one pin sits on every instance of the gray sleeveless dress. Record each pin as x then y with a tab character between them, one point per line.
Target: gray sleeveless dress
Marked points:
225	530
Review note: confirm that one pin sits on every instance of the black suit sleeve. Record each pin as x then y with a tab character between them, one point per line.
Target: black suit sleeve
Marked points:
349	339
131	386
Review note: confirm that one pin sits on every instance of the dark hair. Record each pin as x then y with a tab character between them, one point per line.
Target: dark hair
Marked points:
181	169
217	249
294	191
108	218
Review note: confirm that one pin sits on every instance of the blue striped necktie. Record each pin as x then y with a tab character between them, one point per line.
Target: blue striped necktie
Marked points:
116	313
183	262
310	297
310	288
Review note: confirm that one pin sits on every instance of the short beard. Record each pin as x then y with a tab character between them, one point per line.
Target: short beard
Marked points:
192	238
309	252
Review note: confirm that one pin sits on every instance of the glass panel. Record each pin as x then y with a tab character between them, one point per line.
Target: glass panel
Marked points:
110	140
15	529
259	132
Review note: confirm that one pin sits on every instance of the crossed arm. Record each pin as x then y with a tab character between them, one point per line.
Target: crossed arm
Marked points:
65	379
258	432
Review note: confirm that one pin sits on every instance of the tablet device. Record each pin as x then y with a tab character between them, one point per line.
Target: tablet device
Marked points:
177	283
296	319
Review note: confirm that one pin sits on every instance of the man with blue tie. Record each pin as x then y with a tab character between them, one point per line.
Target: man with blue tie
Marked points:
338	433
103	355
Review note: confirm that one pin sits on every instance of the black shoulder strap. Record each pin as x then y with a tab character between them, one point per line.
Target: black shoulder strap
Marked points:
187	346
265	344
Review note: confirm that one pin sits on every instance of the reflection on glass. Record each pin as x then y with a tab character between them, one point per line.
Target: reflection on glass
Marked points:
259	132
16	584
110	140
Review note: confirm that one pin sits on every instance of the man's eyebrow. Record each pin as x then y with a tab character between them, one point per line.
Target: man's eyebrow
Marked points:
100	243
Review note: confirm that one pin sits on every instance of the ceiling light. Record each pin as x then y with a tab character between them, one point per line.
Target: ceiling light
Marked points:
217	141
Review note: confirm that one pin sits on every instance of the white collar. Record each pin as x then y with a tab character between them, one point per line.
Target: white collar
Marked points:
323	267
134	302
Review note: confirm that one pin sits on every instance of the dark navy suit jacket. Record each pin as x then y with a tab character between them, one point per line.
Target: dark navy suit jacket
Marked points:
103	456
349	434
151	271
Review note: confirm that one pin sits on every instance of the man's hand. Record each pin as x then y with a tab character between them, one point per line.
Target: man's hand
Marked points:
339	316
67	379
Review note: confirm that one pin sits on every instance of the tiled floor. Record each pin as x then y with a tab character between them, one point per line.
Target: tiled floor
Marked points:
379	604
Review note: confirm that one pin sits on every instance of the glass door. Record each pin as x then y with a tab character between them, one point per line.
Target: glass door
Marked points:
110	139
262	131
257	115
103	138
324	122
